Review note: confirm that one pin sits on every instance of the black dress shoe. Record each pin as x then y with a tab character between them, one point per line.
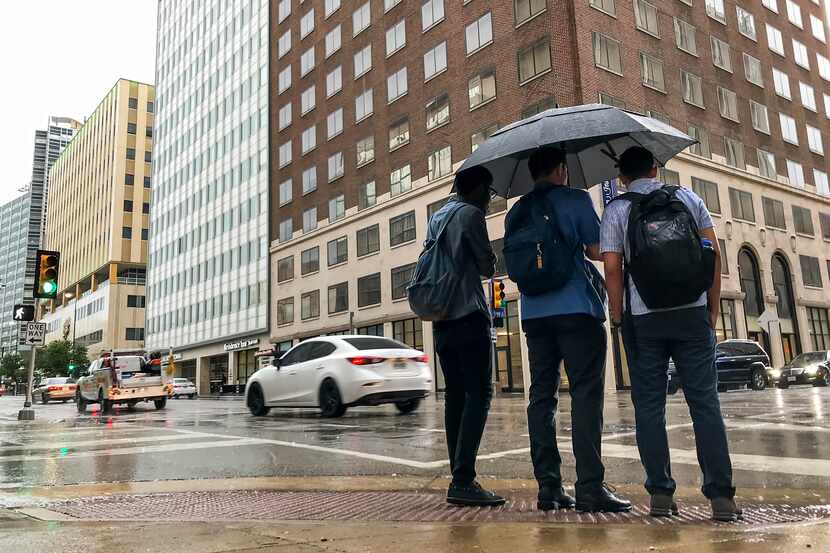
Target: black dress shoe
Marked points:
472	495
601	500
554	498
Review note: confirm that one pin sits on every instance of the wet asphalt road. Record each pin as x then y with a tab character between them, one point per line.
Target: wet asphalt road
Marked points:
778	438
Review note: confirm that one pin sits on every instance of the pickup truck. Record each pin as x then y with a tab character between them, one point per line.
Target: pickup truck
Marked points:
123	379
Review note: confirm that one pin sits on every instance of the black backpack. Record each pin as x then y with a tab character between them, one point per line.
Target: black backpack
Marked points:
535	253
667	259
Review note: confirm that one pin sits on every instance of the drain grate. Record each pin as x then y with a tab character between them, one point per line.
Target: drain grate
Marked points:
386	506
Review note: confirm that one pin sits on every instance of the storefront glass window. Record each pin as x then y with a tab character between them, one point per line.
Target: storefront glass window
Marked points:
410	332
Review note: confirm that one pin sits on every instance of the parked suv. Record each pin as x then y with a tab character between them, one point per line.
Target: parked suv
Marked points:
738	362
808	368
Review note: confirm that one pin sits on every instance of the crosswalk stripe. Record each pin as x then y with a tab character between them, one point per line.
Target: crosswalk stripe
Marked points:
58	444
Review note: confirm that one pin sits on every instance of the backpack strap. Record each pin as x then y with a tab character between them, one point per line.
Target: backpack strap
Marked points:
435	242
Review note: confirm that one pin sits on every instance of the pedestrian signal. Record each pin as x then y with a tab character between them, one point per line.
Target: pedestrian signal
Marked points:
46	274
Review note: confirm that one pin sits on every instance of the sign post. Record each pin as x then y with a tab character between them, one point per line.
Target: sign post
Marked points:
27	413
33	335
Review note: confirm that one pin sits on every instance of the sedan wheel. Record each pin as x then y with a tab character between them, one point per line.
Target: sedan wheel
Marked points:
331	403
759	380
80	402
44	399
406	407
256	402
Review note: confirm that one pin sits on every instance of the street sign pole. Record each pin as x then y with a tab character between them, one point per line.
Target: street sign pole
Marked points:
27	413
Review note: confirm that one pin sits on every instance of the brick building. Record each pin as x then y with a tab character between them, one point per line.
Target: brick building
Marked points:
375	104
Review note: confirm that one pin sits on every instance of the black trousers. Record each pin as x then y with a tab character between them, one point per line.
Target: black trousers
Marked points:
580	341
463	346
686	336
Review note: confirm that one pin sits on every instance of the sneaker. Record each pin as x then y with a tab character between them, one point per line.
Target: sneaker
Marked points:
663	505
724	509
601	500
552	498
472	495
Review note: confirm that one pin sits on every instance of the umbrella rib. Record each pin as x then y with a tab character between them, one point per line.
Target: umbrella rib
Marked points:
512	176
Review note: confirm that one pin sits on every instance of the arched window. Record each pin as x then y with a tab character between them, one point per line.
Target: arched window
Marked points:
750	283
788	320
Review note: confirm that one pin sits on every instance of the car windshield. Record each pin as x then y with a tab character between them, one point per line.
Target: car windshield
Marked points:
56	381
180	380
807	359
373	342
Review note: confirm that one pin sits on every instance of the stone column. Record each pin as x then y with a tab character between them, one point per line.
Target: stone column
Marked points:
232	359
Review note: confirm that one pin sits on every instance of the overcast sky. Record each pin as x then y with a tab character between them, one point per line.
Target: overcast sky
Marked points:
60	58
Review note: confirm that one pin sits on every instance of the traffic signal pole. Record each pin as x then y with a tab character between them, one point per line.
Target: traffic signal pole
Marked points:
27	413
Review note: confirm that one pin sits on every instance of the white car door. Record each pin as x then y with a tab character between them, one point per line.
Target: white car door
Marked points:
283	387
309	371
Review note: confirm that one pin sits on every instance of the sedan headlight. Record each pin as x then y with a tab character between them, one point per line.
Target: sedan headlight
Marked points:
774	373
811	370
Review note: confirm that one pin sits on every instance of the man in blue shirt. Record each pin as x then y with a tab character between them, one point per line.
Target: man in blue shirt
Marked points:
651	336
567	324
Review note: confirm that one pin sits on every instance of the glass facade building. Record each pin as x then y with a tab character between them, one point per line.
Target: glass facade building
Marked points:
14	220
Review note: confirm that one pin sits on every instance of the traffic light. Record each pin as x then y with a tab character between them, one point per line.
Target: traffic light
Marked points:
497	296
46	274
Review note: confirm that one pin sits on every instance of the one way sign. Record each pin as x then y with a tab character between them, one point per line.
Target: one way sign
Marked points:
32	334
24	313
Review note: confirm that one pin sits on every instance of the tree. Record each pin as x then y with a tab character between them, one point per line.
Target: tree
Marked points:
12	367
54	359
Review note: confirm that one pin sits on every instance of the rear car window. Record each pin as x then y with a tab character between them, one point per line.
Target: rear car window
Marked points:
373	342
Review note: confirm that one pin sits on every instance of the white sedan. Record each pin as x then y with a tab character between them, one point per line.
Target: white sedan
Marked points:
337	372
183	387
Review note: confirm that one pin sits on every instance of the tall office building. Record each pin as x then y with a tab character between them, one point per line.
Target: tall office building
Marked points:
98	219
376	103
14	219
208	281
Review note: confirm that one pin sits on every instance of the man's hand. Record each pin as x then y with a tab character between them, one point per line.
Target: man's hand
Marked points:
714	313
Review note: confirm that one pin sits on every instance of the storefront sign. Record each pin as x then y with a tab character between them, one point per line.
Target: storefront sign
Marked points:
241	344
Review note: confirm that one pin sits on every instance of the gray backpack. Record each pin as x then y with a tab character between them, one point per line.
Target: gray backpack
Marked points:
436	279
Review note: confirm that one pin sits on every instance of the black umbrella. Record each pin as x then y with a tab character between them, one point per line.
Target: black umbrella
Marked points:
592	135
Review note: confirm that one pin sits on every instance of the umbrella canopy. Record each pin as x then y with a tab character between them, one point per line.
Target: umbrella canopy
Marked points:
592	135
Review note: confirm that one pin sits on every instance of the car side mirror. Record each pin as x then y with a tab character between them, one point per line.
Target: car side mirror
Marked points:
276	362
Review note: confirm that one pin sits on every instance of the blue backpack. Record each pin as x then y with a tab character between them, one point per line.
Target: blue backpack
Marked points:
538	259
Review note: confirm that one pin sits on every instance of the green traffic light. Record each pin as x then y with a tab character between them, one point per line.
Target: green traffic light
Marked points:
49	287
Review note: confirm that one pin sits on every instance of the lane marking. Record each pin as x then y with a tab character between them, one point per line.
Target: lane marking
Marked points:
58	444
74	430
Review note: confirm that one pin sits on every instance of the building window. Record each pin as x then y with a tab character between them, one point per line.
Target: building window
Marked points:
366	195
606	6
684	36
336	168
365	150
534	61
396	85
309	180
126	232
808	96
135	334
284	116
820	178
284	44
284	80
129	179
800	54
728	104
368	290
131	128
306	23
148	132
395	37
148	157
136	301
439	163
371	330
814	140
607	53
760	116
310	261
771	5
734	153
667	176
309	219
742	207
331	7
400	180
435	61
725	327
817	26
692	88
652	72
481	88
775	40
368	240
432	13
338	251
145	208
337	208
334	124
145	234
715	9
285	311
130	153
438	112
788	129
285	269
309	139
478	137
333	41
361	19
774	213
285	154
721	55
283	10
819	321
794	14
402	229
803	221
479	33
310	305
147	182
410	332
645	17
537	107
132	103
766	164
752	70
398	134
338	298
746	23
363	105
286	230
702	148
334	81
498	250
433	208
308	99
708	192
363	61
810	271
401	277
608	100
824	223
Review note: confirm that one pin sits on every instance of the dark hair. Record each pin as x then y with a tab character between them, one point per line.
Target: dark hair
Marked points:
544	160
469	179
636	163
